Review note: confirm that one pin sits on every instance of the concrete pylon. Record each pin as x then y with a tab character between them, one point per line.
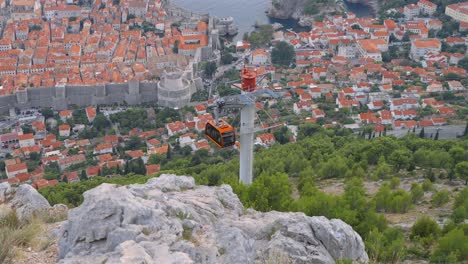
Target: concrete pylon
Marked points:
247	143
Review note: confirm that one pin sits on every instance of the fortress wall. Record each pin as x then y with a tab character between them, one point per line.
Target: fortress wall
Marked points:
149	92
115	93
80	95
7	102
62	97
40	97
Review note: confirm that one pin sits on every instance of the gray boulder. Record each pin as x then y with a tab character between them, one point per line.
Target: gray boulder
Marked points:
27	202
170	220
5	192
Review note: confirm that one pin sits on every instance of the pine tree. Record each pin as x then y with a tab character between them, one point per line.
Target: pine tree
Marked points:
120	171
385	132
168	154
451	174
414	129
437	135
421	133
140	167
127	167
83	175
466	130
430	175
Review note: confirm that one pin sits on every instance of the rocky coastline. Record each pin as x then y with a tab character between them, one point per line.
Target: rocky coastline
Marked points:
295	9
374	4
226	26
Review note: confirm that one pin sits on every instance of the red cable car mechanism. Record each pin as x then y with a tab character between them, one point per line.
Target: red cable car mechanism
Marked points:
249	79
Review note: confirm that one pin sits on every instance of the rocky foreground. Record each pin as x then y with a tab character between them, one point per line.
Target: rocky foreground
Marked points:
170	220
27	202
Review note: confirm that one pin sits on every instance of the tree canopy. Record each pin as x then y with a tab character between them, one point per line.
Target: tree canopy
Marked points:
283	54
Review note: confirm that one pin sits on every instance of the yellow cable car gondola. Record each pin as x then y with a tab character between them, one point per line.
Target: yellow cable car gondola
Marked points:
222	134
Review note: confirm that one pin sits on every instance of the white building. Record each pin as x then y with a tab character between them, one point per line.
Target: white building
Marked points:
26	140
427	7
421	47
458	11
260	57
410	11
15	169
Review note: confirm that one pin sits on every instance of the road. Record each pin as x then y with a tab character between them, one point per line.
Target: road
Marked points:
22	119
223	68
7	124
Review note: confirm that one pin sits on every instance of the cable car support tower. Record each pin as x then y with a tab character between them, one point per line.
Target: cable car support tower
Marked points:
246	102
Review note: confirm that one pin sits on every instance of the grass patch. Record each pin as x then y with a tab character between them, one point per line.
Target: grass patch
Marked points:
48	217
187	233
183	215
14	233
276	256
273	231
221	251
146	231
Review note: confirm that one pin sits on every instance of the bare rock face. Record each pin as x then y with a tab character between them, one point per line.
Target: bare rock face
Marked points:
286	9
170	220
27	202
5	192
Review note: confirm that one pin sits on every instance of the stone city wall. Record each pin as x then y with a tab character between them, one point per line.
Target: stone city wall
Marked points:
61	97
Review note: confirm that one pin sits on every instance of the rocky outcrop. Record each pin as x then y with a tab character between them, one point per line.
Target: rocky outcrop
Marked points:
170	220
374	4
27	203
295	9
25	200
286	9
5	192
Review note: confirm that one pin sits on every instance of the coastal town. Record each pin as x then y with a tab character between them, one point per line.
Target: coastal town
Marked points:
377	77
220	131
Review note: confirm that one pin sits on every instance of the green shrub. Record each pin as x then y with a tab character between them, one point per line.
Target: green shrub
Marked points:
440	198
452	247
417	192
71	194
427	186
394	182
387	246
389	201
424	227
460	206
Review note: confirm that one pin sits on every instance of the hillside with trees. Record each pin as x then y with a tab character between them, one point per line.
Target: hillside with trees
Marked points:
409	174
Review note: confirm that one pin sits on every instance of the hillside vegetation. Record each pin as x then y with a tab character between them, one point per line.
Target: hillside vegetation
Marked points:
323	154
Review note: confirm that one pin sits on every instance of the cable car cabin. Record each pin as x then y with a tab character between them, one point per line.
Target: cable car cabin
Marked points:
223	135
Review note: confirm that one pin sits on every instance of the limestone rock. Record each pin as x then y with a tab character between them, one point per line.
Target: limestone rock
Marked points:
171	220
286	9
5	192
27	201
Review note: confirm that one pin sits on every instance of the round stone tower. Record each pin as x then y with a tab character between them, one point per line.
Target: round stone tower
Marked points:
175	89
